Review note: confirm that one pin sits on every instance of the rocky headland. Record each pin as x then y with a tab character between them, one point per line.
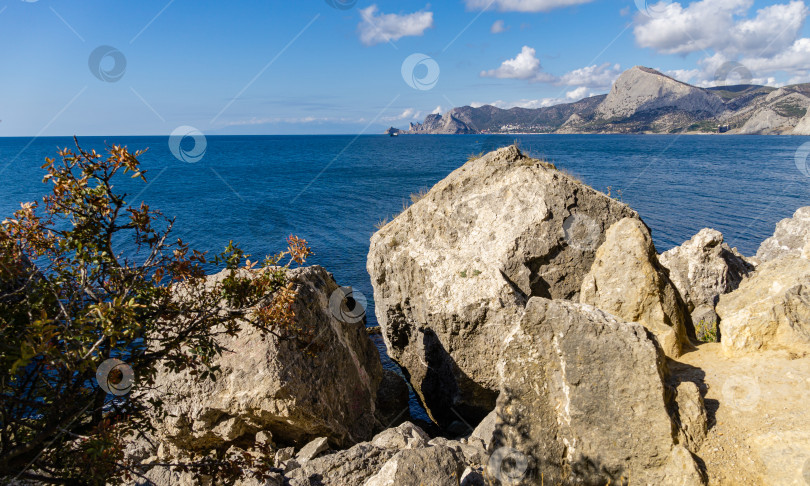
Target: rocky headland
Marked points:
642	100
546	337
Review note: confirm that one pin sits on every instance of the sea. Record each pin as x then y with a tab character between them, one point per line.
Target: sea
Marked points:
333	190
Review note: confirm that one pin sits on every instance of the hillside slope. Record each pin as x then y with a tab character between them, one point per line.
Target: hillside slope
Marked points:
643	100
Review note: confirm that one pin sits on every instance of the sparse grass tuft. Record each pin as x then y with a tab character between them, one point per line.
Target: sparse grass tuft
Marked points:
571	175
381	224
415	197
474	156
419	195
619	194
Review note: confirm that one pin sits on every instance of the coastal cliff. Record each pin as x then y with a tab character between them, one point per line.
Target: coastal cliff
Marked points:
643	100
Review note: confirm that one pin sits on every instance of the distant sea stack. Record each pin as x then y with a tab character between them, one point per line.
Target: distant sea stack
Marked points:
447	124
643	100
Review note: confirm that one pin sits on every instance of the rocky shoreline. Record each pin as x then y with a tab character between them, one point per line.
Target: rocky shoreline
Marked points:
641	101
545	336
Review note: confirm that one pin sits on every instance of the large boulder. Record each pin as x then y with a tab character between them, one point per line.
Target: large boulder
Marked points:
312	450
789	238
770	310
452	273
486	429
583	399
703	269
401	455
404	455
264	384
351	466
628	281
404	436
355	465
439	465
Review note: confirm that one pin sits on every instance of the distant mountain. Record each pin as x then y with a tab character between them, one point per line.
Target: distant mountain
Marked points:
643	100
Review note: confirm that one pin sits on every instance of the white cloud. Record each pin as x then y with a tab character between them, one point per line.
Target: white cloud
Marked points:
795	60
524	66
527	66
437	111
541	103
769	81
719	69
292	120
408	114
803	78
571	96
523	5
764	42
681	30
377	27
683	75
599	76
498	27
577	94
772	30
532	104
719	25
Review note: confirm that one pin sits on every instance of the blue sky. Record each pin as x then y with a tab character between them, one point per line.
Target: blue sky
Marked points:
280	67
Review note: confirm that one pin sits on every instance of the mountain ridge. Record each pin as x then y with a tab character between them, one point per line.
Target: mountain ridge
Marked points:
642	100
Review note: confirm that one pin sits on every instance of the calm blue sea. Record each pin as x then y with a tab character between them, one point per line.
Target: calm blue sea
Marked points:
332	190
